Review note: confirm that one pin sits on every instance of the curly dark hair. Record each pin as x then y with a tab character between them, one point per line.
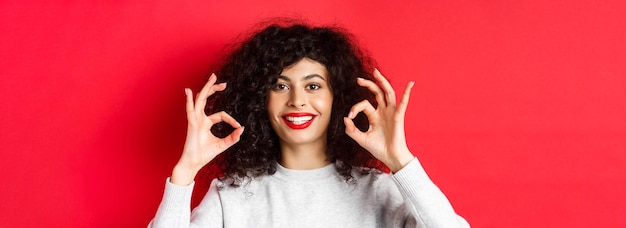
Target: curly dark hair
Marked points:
254	65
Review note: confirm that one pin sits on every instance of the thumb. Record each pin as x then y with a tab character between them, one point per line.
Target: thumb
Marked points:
353	131
233	137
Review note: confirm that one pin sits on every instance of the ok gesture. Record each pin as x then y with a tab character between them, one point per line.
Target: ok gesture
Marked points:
385	138
201	146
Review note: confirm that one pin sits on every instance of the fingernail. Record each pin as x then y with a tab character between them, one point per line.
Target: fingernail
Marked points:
350	115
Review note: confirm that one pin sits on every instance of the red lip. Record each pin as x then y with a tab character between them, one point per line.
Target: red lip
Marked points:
295	126
298	114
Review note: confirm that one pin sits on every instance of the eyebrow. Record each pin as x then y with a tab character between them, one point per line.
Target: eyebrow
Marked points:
310	76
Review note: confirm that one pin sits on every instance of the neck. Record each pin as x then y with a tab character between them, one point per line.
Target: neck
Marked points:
303	156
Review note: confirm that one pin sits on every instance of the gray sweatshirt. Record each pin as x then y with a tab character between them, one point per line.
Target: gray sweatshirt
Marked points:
314	198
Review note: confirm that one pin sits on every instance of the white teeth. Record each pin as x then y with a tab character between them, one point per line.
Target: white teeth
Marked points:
298	120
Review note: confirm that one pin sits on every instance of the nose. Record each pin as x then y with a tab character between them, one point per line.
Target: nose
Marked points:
297	99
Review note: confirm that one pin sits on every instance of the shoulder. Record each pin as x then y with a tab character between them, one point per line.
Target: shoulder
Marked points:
231	183
373	179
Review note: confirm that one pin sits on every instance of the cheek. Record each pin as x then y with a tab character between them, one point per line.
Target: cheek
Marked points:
325	104
271	104
272	112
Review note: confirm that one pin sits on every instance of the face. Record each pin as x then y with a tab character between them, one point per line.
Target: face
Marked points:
300	103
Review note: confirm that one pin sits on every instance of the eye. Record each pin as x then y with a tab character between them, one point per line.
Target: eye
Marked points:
313	86
279	87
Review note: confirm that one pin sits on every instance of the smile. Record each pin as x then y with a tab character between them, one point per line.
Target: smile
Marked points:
298	120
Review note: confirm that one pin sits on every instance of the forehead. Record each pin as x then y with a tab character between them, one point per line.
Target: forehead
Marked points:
303	68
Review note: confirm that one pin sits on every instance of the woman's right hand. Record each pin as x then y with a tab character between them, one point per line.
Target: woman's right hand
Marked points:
201	146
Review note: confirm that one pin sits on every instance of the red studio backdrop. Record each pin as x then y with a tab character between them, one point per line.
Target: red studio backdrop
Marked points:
518	113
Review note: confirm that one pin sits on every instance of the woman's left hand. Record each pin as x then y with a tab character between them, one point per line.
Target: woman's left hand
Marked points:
385	138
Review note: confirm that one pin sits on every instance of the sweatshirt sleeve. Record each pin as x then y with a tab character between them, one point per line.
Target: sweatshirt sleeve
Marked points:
174	210
425	200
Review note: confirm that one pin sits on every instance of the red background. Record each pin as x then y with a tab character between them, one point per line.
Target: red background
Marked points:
518	112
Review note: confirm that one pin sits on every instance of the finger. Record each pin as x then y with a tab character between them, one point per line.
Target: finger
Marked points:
364	106
233	137
224	117
352	131
371	86
189	104
390	94
206	91
404	103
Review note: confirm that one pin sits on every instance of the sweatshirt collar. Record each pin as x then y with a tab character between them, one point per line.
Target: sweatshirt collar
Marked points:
308	175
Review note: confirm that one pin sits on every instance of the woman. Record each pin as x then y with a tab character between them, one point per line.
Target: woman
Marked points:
296	152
